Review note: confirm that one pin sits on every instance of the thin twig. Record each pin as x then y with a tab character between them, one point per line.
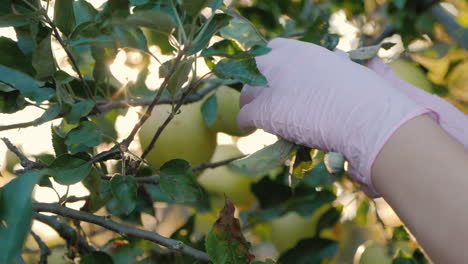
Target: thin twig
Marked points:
45	251
74	199
66	232
70	56
126	142
24	161
122	229
141	180
171	116
104	106
216	164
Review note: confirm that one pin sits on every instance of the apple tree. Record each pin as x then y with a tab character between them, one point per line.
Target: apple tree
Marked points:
165	191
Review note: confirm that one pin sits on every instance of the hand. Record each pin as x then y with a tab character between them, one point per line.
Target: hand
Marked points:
452	120
323	100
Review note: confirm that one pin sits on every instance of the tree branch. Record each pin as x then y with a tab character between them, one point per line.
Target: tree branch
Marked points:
216	164
24	161
122	229
66	232
126	142
141	180
183	97
70	56
45	251
104	106
456	31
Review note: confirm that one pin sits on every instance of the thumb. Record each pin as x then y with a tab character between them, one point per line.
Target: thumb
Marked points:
247	116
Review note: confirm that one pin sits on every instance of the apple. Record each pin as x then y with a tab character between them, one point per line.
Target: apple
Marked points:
185	137
411	73
290	228
225	181
372	254
228	109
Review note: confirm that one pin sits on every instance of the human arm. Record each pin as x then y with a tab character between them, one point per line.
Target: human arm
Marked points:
422	173
325	101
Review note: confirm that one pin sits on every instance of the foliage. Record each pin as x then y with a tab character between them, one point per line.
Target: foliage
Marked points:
86	98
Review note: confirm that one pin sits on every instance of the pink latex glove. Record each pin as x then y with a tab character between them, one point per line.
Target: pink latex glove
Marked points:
323	100
452	120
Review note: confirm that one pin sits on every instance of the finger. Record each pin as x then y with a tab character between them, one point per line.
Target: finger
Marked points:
382	69
249	93
246	118
341	54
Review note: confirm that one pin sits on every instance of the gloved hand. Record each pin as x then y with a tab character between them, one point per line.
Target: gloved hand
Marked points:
323	100
452	120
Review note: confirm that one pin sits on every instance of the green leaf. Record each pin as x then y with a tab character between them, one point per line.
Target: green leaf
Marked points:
310	251
305	200
153	19
205	33
159	39
362	212
97	257
69	169
100	191
83	12
82	138
223	48
318	176
63	16
328	219
16	214
265	187
127	37
266	159
58	142
99	41
419	257
216	4
25	84
51	112
10	102
244	70
404	260
79	110
11	56
241	30
177	181
209	110
400	4
193	7
45	182
106	123
43	60
268	261
124	189
400	234
225	243
229	49
23	16
180	76
62	77
127	253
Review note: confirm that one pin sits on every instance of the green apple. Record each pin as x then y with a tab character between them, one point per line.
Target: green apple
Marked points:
228	109
373	254
410	72
223	180
290	228
185	137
